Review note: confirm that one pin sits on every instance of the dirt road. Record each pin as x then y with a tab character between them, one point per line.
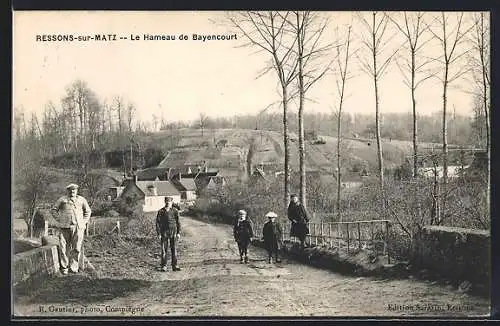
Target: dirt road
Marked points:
214	283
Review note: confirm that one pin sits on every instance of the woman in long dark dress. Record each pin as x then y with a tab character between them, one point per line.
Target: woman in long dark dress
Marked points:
298	216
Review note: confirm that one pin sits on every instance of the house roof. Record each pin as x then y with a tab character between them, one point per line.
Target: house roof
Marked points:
186	184
230	172
259	173
196	175
152	173
218	180
163	188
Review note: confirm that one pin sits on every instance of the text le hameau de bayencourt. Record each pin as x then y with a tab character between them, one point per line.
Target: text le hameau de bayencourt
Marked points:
133	37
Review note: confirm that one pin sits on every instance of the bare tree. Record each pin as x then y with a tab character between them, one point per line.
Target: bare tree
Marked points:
203	122
413	67
266	31
308	29
452	40
119	108
480	59
155	122
252	149
130	116
343	56
376	67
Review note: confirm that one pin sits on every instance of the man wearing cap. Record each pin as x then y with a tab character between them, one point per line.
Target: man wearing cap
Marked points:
73	213
298	216
168	229
243	232
272	237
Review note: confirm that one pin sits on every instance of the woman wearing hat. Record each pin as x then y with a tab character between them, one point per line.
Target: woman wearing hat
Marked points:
298	216
272	237
243	233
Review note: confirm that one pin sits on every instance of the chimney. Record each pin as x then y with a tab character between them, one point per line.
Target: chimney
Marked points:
169	170
135	178
189	170
180	176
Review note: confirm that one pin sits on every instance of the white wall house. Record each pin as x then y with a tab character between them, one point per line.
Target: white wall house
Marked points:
151	193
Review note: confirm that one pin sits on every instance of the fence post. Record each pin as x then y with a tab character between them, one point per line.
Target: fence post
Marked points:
93	223
46	228
330	234
309	237
373	235
359	235
315	235
283	235
339	232
348	238
118	226
322	236
387	241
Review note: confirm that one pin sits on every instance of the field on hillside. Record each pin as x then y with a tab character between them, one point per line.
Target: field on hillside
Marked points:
220	146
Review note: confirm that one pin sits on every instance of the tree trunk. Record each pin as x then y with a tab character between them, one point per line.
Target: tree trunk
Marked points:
377	118
302	167
485	87
414	107
445	144
285	143
339	124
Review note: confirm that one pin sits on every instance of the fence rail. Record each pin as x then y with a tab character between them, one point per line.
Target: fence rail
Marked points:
371	234
93	228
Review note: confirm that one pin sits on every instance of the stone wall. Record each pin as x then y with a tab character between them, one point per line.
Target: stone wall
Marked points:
454	253
34	264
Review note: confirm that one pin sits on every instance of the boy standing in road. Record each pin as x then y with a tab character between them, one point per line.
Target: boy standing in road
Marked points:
168	229
243	233
272	237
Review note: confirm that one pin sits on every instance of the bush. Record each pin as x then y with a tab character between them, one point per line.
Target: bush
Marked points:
101	207
131	209
142	226
111	213
257	199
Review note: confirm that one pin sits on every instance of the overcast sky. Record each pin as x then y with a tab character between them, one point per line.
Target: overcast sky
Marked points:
183	78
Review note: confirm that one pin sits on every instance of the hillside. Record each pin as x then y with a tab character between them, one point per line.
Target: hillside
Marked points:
228	148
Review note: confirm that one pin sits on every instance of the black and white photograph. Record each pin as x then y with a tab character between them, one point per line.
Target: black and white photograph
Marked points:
251	164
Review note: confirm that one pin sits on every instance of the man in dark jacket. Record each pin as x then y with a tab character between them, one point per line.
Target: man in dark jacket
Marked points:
298	216
168	229
243	232
272	237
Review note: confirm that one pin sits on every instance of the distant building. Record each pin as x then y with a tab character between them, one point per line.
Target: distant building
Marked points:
186	186
151	194
453	171
216	183
115	192
479	165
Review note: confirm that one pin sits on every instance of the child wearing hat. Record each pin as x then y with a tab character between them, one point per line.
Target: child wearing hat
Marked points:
272	236
243	233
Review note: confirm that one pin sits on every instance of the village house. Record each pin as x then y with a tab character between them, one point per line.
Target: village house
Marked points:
151	194
216	183
186	186
454	171
114	192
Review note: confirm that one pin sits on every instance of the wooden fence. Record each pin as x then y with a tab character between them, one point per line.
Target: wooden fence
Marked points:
94	226
372	234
